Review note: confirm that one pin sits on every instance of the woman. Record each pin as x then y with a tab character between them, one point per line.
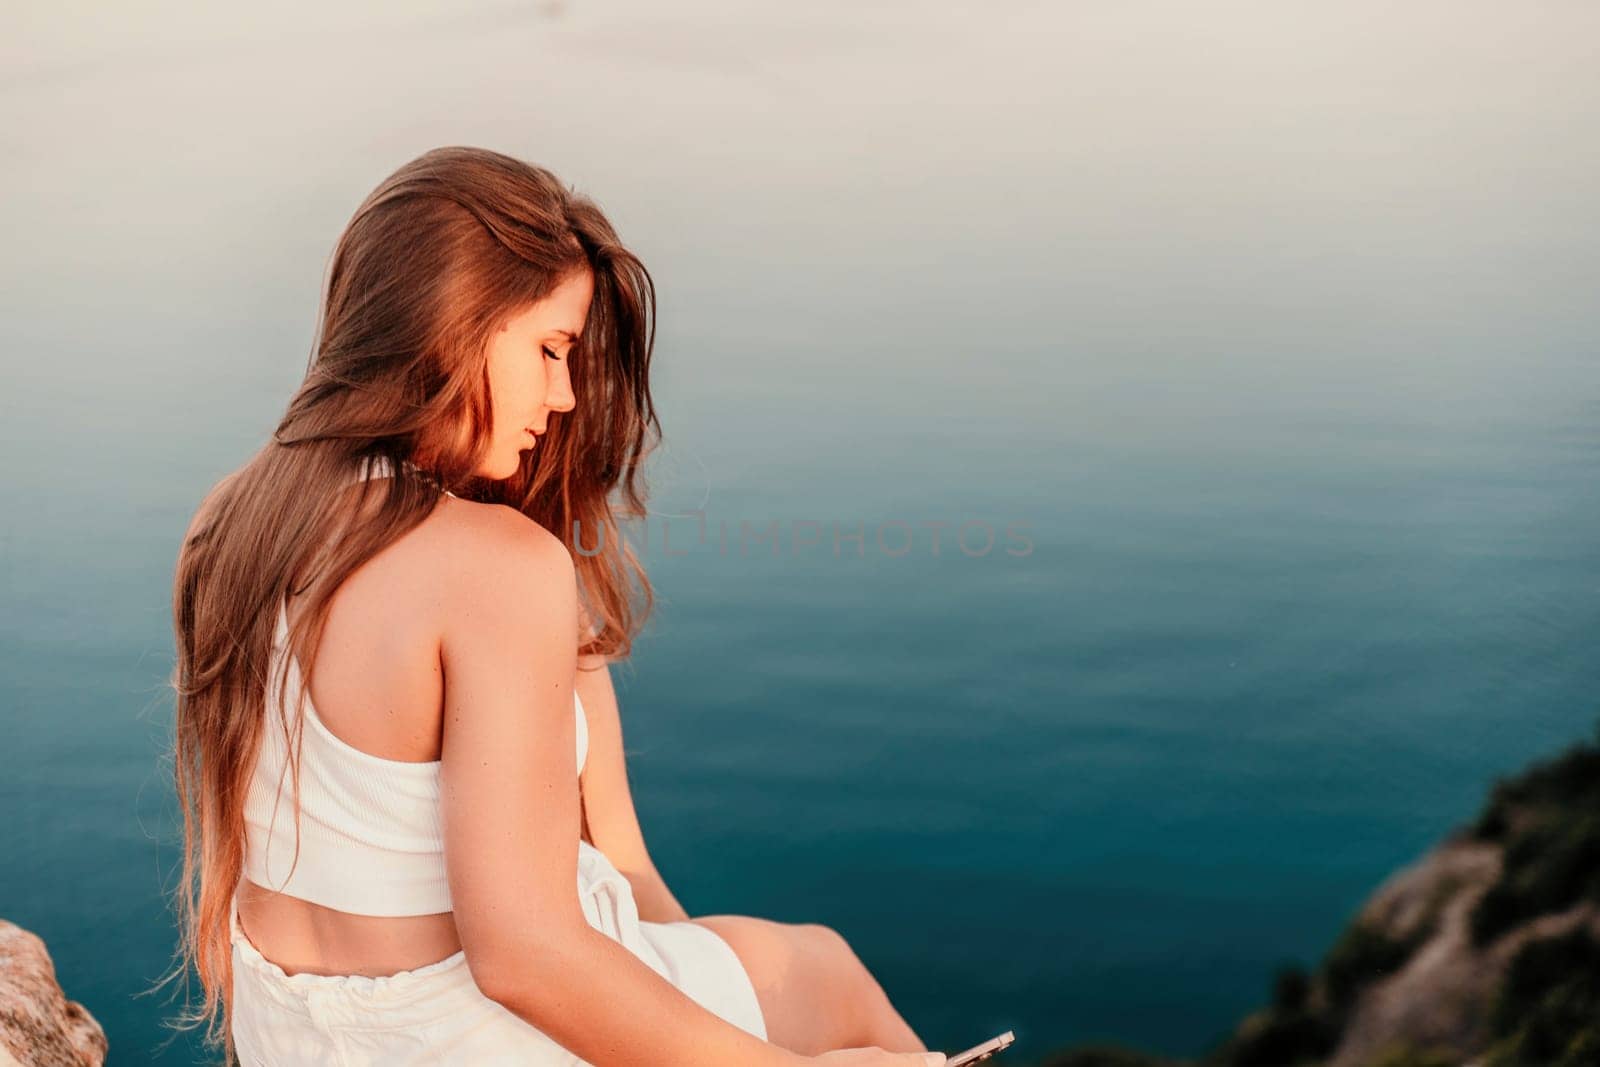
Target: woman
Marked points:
397	743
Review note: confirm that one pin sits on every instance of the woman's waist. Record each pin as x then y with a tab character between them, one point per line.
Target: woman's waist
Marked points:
302	936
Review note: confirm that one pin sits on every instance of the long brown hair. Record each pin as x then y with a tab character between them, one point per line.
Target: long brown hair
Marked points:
440	254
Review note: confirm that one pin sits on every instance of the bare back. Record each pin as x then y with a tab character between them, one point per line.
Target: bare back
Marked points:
378	686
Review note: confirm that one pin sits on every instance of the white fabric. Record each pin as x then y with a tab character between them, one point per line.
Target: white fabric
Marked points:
371	843
370	840
436	1014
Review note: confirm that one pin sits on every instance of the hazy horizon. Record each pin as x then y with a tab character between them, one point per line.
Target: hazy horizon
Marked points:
1275	325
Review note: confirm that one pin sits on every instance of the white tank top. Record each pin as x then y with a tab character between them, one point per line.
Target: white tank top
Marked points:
370	839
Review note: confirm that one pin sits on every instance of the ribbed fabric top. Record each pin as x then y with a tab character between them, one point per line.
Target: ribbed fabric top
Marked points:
370	840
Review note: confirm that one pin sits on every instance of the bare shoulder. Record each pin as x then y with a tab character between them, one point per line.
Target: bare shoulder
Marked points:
490	554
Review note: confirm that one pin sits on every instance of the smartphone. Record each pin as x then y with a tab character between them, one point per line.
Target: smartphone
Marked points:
980	1052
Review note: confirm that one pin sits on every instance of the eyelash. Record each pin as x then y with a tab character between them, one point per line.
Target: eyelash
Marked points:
552	355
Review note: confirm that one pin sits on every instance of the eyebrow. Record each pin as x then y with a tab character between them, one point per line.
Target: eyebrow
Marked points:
568	334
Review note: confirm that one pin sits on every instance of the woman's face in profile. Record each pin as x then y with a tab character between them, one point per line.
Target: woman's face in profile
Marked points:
528	372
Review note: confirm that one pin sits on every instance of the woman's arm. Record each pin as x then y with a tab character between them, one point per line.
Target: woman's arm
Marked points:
608	802
509	799
656	902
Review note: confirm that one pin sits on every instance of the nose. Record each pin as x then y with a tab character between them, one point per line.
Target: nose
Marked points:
558	396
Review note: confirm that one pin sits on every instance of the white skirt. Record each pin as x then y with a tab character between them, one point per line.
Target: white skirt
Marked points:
435	1014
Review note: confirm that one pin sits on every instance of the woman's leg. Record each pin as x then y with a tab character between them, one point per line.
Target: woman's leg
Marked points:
815	993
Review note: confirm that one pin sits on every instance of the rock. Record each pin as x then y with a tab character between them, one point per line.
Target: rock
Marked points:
1443	995
39	1026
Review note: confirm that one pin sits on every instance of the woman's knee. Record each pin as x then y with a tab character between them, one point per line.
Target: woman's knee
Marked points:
855	991
836	948
813	989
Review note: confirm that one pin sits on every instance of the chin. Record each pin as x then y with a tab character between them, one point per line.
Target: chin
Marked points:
502	468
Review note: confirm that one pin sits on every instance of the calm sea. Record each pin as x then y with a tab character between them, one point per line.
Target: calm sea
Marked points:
1241	359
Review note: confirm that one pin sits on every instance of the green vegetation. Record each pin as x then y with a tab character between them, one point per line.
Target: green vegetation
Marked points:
1548	821
1364	954
1548	1010
1406	1055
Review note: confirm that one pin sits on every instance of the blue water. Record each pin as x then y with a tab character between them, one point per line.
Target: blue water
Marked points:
1287	388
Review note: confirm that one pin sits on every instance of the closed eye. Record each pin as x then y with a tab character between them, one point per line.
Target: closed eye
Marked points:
549	353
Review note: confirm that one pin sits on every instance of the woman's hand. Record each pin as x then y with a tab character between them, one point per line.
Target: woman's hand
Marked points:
876	1057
